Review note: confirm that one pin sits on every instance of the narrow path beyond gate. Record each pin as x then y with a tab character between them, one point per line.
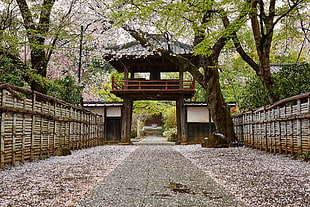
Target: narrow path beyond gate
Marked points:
158	176
154	140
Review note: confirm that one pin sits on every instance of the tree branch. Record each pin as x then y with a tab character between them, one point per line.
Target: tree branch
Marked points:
26	14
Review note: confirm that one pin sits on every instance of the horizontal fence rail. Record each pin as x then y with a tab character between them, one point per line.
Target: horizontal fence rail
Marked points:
34	126
283	127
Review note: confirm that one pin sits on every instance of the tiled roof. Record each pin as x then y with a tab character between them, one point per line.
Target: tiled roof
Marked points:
136	50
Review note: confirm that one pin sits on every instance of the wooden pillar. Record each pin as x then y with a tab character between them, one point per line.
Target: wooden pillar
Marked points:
126	74
126	77
181	77
126	120
155	74
181	121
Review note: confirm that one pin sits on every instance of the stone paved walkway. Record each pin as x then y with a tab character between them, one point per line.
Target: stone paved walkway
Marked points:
158	176
154	140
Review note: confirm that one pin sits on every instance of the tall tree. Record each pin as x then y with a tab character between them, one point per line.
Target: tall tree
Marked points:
39	29
264	16
36	34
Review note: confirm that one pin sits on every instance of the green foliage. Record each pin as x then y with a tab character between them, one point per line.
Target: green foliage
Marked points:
117	76
171	134
200	95
291	80
169	117
65	89
148	107
97	64
144	109
302	156
104	90
233	75
253	95
10	72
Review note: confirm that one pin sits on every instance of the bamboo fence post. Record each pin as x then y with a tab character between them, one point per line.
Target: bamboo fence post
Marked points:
32	127
299	128
279	147
63	126
2	136
266	130
14	135
243	127
67	127
272	131
96	127
93	130
54	129
81	130
83	140
292	132
308	134
24	134
41	133
286	132
73	128
48	129
252	130
70	129
88	130
78	129
260	131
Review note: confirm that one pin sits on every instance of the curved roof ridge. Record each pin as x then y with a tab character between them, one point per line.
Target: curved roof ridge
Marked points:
135	49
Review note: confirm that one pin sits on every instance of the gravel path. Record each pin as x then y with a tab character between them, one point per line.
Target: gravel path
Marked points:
59	181
158	176
256	178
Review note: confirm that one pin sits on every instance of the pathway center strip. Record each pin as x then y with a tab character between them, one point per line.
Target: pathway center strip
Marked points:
158	176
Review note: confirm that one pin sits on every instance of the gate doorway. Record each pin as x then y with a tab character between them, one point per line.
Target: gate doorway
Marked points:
113	127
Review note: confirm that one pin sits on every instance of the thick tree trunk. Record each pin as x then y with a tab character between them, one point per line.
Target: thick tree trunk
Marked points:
264	74
219	110
39	64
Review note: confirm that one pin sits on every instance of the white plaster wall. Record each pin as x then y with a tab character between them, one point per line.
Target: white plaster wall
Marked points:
97	110
114	112
198	114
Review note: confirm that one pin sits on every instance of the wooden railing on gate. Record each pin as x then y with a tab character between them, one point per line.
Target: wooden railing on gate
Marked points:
149	85
283	127
34	126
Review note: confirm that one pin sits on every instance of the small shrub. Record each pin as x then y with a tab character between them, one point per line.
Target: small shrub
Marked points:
302	156
171	134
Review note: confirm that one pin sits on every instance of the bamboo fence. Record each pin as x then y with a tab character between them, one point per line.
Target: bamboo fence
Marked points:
283	127
34	126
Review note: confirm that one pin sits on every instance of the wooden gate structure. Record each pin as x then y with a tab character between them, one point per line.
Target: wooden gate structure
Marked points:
283	127
34	126
133	60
